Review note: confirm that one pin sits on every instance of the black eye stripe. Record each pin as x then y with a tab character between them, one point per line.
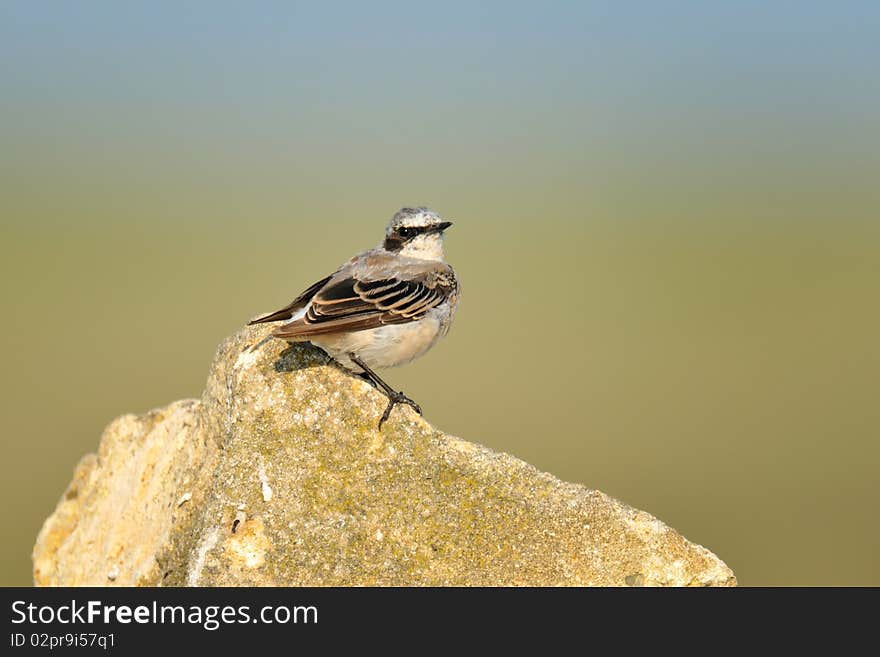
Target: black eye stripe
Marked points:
394	243
403	234
411	231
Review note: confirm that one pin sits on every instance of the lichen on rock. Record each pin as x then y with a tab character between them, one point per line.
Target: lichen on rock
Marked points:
278	476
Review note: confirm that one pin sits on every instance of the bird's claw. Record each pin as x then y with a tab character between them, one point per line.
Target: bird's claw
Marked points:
393	400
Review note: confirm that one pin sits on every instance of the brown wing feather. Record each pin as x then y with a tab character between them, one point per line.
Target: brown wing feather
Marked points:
293	306
353	305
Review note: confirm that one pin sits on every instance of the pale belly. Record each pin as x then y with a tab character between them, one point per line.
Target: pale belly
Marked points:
386	346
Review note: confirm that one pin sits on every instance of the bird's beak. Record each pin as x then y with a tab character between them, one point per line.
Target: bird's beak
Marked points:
444	225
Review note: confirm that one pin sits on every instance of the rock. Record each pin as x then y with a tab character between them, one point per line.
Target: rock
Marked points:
278	476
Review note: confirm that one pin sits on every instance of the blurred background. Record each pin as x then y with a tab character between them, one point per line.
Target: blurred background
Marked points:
667	225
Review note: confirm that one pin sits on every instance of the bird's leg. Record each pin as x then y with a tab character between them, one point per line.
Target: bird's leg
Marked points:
361	375
394	396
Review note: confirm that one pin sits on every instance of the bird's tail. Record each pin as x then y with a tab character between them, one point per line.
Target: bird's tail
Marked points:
277	316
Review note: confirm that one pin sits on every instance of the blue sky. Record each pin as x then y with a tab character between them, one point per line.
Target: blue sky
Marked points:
518	90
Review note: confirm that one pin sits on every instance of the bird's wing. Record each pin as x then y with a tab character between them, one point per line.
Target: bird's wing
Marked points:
297	304
354	303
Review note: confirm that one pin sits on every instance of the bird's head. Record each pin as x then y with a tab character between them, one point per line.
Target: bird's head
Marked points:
416	233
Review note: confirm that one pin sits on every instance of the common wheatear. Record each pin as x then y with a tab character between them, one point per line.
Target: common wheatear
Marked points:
384	307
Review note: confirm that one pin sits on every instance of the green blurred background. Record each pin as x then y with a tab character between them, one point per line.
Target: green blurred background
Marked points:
667	230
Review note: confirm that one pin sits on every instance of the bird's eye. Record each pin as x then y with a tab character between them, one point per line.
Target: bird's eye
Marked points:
406	233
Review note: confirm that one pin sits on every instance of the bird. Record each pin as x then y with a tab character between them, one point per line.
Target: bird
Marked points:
383	308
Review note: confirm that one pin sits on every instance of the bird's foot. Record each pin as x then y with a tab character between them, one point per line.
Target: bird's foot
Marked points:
395	398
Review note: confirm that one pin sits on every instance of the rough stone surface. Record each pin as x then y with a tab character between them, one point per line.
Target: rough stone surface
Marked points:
278	476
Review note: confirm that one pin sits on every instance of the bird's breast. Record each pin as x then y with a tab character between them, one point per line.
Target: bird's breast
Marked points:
386	346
